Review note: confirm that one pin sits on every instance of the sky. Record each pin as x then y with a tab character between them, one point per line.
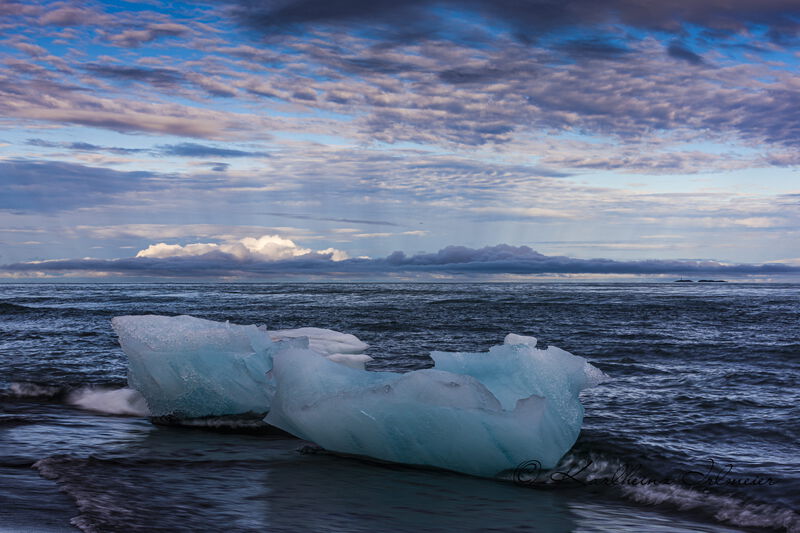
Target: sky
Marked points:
415	140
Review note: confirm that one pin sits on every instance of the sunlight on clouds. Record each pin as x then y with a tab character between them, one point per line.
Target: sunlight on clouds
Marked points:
205	130
264	248
336	255
760	222
390	234
527	212
185	231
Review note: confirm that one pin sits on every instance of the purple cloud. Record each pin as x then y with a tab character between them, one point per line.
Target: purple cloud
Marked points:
453	260
160	77
133	38
678	51
47	186
529	20
200	150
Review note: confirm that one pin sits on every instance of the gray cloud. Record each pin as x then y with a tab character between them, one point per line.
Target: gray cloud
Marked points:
132	38
413	178
200	150
330	219
62	14
456	260
678	51
167	79
46	100
160	77
217	166
597	78
529	20
508	91
427	90
637	159
47	186
12	8
186	149
83	146
594	48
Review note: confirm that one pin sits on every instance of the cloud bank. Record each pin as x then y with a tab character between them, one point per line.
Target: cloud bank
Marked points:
273	256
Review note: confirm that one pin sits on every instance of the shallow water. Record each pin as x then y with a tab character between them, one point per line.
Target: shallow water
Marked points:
701	373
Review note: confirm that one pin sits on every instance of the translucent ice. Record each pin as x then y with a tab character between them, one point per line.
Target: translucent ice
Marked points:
190	367
340	347
477	413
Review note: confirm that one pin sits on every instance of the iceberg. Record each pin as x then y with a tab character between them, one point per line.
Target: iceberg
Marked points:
476	413
188	367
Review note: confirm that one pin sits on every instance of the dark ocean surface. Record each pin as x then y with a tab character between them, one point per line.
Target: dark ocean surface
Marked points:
698	429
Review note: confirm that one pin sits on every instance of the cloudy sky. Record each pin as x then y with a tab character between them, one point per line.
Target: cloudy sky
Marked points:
405	139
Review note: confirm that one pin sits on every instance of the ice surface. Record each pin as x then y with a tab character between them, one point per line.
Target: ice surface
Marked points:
518	369
324	341
477	413
190	367
340	347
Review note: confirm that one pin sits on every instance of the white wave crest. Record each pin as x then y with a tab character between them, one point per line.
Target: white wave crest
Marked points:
122	401
31	391
726	509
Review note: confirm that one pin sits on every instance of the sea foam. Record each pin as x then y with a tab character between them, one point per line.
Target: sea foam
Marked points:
119	401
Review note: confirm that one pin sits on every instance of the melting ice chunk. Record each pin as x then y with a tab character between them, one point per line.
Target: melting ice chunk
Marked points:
479	413
190	367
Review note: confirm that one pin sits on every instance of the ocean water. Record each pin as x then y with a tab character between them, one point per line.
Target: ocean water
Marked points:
698	429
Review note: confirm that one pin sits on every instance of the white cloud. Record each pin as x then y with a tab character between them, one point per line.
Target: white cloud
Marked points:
264	248
663	236
760	222
532	212
720	221
367	235
793	262
336	255
183	231
418	233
